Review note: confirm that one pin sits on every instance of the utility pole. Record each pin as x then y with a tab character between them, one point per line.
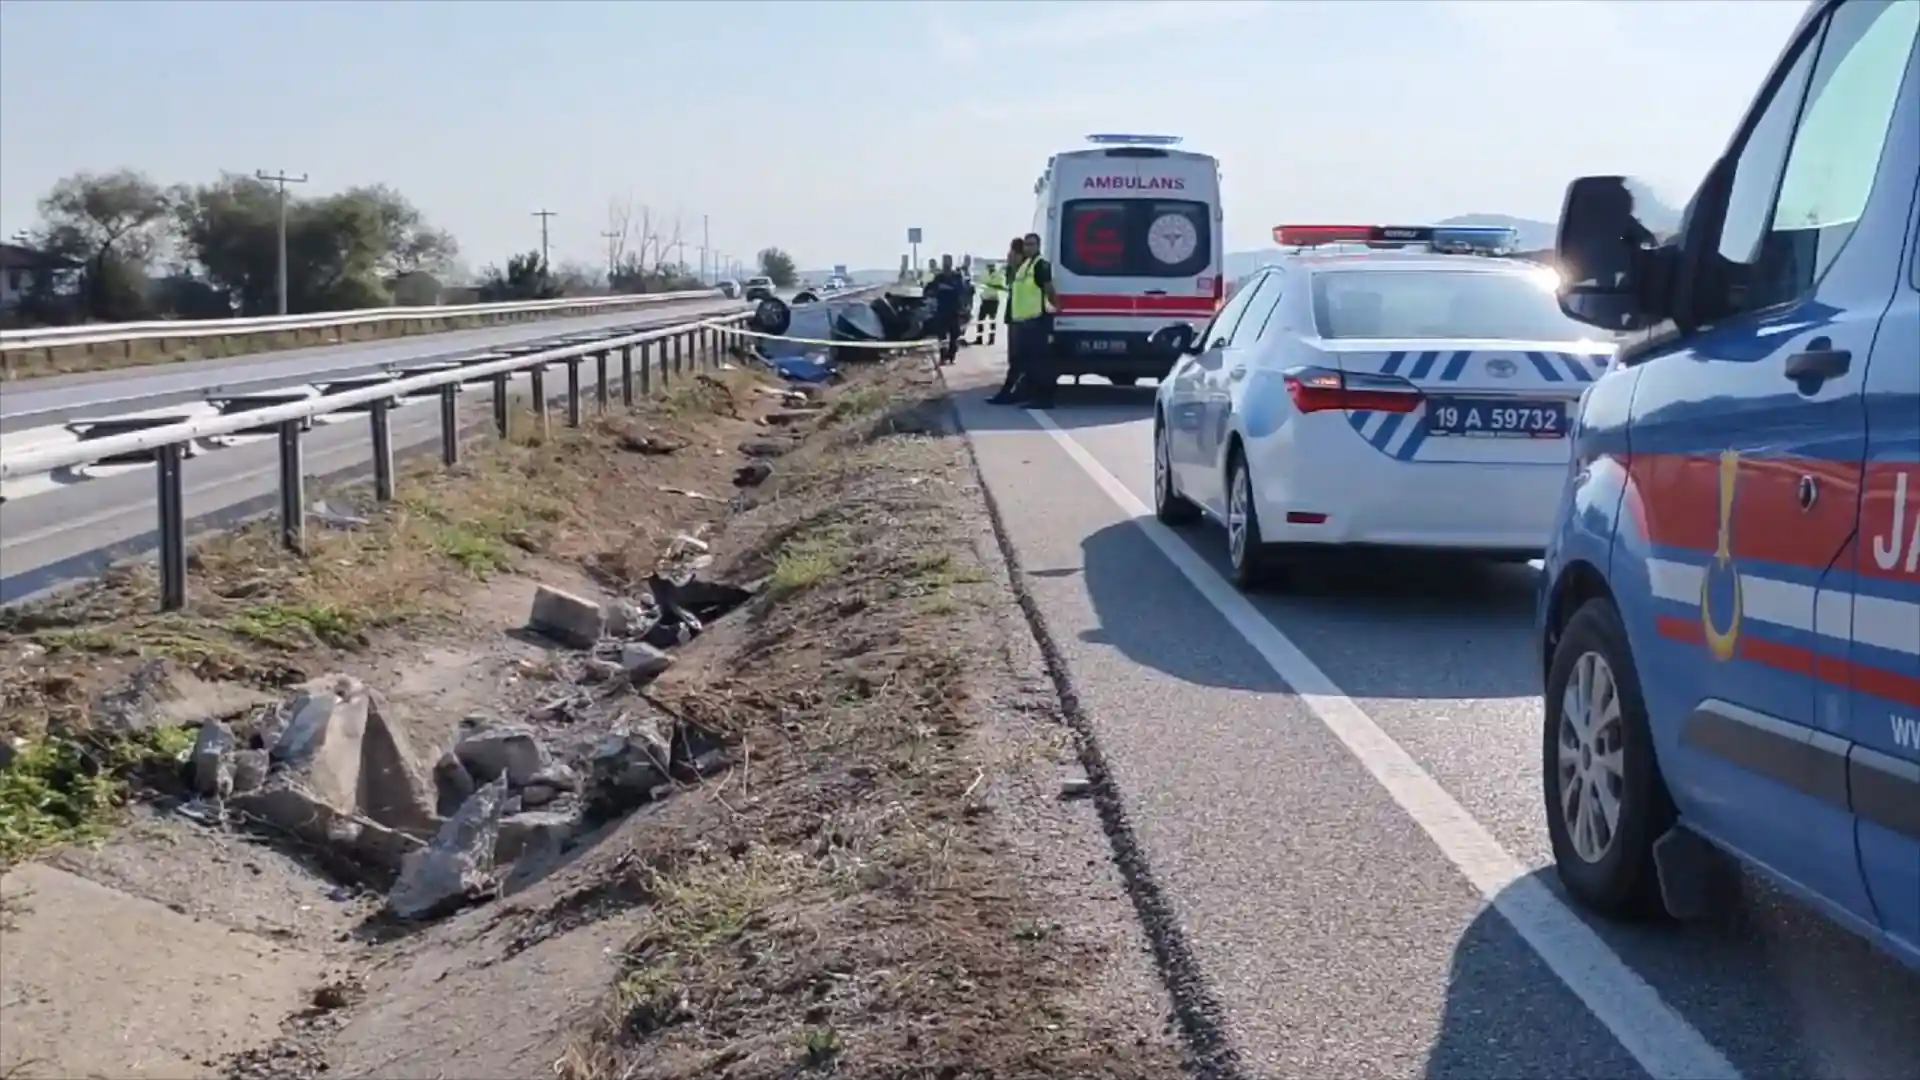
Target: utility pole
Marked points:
611	236
705	240
280	180
546	265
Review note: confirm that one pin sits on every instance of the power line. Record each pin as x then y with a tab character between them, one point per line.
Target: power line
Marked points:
544	215
280	180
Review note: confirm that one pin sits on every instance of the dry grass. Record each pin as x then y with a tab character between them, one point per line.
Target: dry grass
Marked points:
848	909
264	617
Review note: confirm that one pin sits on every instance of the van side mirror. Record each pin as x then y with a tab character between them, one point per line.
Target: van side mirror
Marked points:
1606	258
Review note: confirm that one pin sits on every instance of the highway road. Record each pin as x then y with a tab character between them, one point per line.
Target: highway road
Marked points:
190	379
1335	797
66	526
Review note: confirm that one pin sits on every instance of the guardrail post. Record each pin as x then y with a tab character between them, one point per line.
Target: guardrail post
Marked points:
382	450
450	425
293	494
710	345
678	346
540	399
600	381
626	374
573	391
501	416
173	528
666	379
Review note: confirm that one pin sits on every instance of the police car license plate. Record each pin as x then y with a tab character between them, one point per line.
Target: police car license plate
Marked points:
1496	418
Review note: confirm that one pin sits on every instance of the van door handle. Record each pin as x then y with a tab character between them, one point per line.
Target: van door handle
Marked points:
1820	361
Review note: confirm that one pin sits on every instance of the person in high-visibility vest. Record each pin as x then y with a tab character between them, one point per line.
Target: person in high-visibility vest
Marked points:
1014	388
986	327
1030	308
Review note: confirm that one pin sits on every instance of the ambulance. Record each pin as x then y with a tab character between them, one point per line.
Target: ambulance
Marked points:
1132	227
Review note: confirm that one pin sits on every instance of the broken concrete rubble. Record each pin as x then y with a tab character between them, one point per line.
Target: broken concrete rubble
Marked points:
627	765
212	760
457	866
547	828
566	618
509	750
339	774
643	662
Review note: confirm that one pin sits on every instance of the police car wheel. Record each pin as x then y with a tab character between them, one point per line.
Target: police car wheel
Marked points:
1247	551
1168	505
1606	801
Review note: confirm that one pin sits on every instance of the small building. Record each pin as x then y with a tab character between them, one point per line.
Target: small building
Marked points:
22	266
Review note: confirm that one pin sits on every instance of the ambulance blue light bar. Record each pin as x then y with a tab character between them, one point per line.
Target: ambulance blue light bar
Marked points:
1482	240
1134	140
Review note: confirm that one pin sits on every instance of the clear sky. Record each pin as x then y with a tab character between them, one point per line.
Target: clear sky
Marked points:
829	128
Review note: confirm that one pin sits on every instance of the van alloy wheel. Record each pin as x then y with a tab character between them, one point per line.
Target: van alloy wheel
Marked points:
1592	764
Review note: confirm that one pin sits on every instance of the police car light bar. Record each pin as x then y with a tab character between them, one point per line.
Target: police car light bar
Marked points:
1486	240
1134	140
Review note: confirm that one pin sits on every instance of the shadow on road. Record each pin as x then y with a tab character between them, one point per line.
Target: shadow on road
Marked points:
1778	991
1075	408
1347	615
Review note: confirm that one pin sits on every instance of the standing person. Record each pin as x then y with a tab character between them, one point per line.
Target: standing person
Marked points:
986	330
1014	388
943	293
1035	315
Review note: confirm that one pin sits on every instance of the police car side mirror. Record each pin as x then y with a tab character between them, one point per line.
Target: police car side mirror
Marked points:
1605	257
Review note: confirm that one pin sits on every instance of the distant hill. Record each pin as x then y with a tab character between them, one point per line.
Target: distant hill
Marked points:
1534	236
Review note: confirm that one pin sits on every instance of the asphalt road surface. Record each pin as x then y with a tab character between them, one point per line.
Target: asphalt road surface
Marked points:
92	392
71	524
1337	797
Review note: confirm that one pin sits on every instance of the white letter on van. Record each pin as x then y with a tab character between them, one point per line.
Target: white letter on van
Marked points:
1886	549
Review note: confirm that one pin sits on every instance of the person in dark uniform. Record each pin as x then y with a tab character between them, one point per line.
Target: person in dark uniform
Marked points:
944	294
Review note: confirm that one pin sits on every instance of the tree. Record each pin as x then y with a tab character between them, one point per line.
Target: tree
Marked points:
525	278
412	246
112	224
779	266
342	250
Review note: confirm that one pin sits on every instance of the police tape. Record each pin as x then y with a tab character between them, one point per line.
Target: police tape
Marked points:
739	332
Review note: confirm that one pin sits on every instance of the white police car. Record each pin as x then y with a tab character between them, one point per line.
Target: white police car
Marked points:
1382	398
1730	605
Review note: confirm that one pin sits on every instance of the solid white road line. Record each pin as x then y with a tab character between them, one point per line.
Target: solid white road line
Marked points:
1660	1039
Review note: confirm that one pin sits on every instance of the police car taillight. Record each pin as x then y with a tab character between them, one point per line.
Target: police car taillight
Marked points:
1318	389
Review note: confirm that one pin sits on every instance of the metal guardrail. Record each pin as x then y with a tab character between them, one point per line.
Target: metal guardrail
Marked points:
695	343
171	329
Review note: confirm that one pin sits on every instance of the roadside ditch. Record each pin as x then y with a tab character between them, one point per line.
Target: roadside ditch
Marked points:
705	741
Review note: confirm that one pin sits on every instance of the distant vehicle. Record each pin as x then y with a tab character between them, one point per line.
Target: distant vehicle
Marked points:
759	288
837	282
1132	228
729	288
1377	400
1729	608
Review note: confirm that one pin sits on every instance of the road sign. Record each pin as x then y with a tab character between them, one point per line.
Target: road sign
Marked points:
913	236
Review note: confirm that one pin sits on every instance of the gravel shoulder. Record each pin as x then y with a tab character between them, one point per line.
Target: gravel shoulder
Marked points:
875	856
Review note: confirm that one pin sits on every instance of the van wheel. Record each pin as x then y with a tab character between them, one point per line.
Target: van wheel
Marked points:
1606	801
1247	551
1168	505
